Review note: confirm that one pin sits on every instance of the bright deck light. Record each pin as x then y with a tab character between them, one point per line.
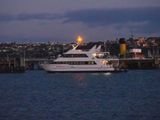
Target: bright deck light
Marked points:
94	54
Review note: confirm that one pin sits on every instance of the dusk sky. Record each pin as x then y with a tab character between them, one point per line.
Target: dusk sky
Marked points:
63	20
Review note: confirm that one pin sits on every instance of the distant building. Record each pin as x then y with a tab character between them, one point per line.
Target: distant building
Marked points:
136	53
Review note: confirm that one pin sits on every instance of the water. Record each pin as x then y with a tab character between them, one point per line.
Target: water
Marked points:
37	95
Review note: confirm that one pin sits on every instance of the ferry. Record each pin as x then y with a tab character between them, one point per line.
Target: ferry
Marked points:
79	60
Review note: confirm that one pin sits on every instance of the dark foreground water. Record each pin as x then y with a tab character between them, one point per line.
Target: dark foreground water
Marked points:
36	95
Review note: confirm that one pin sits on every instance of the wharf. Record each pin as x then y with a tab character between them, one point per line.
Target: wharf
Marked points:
12	65
143	63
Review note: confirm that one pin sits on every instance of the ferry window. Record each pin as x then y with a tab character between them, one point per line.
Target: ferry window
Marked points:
76	62
92	62
74	55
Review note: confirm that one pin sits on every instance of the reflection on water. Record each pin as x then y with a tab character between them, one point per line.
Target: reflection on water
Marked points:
94	73
107	74
80	78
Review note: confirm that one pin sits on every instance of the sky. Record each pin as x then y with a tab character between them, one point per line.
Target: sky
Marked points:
64	20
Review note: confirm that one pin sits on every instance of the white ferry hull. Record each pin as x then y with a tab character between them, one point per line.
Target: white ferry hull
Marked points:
51	68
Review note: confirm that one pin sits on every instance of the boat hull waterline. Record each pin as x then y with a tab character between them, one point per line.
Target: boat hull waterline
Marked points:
57	69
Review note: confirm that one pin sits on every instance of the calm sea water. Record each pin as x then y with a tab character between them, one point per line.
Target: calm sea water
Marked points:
37	95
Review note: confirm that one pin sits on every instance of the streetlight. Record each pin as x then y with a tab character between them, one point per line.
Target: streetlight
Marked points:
79	40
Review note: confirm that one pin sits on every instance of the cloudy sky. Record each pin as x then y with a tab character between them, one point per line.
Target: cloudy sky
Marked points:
63	20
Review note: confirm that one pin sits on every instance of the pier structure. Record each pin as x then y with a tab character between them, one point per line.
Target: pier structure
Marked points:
12	65
35	63
145	63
